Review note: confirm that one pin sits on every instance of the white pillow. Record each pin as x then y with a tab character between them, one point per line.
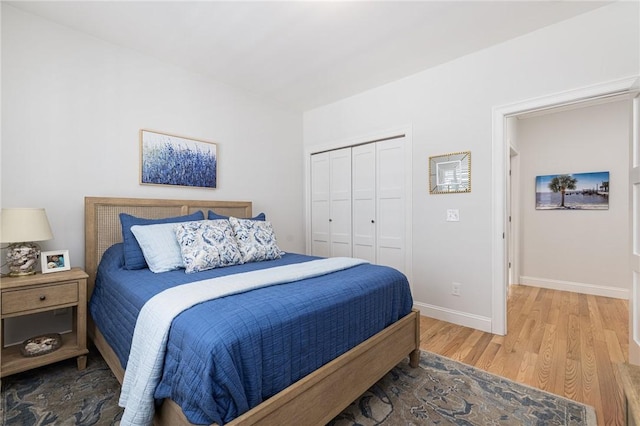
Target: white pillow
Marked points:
207	244
159	246
255	239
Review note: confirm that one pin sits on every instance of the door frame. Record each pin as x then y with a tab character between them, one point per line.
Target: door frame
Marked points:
634	200
513	230
500	170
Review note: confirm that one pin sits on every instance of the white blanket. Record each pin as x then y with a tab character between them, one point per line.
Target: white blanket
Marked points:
146	359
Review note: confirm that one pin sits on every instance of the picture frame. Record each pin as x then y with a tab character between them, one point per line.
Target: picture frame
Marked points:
55	261
450	173
573	191
167	159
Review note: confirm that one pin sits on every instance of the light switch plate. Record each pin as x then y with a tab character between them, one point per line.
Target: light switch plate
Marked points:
453	215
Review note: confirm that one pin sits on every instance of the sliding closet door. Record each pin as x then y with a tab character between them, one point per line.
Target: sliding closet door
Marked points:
379	202
331	203
320	189
358	197
340	202
363	159
390	203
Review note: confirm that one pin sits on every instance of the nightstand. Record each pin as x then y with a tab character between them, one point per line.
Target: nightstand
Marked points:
40	293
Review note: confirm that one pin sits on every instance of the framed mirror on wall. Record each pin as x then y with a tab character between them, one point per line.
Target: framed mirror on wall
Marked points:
450	173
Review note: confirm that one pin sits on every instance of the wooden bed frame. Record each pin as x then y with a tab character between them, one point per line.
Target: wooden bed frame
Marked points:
314	399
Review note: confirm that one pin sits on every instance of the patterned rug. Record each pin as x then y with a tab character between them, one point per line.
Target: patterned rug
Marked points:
441	391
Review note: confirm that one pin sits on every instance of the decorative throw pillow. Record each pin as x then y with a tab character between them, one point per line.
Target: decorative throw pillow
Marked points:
159	246
207	244
214	216
255	239
133	257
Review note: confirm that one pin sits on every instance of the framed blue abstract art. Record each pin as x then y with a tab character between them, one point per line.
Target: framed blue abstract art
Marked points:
176	160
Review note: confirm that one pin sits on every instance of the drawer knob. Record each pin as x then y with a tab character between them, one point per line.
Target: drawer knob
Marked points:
43	297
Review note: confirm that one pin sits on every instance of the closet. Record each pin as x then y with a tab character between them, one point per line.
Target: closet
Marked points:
358	201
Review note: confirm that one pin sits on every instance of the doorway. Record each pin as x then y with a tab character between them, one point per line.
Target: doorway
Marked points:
501	161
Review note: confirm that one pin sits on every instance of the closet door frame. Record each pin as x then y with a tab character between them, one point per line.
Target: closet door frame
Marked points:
404	131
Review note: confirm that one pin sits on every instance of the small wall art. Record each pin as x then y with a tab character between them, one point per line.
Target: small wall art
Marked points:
450	173
55	261
577	191
176	160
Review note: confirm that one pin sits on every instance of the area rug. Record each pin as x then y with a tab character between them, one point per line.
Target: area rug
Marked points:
439	392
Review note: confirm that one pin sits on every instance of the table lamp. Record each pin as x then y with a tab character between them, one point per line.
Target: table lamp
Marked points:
20	227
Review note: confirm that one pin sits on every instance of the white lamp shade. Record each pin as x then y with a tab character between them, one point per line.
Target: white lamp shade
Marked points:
24	225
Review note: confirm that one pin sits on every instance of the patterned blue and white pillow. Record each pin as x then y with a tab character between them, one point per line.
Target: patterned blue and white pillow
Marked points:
207	244
255	239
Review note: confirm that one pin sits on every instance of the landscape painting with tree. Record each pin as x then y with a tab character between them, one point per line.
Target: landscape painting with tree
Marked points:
577	191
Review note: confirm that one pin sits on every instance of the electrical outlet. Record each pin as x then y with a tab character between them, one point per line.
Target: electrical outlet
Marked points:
453	215
455	289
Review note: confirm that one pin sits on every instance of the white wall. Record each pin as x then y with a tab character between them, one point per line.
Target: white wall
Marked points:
585	251
450	108
72	106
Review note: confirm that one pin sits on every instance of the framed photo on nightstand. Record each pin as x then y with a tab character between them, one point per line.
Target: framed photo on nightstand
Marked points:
55	261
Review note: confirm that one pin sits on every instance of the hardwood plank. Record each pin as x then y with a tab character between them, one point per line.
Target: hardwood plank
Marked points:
527	367
484	362
573	337
572	379
476	351
452	348
543	378
558	368
565	343
469	343
613	346
590	384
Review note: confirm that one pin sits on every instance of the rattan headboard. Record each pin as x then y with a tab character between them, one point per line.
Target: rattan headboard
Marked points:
102	221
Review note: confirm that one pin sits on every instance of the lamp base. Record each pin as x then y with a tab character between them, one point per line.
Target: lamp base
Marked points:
22	259
20	274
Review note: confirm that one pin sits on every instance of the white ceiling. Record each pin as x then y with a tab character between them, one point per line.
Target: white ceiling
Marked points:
306	54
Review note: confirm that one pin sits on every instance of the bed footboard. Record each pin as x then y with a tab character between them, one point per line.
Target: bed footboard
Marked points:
320	396
323	394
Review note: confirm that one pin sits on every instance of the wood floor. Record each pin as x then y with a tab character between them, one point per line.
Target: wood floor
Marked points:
565	343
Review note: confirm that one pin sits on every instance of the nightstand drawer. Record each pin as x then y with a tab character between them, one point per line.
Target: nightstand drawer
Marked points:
39	297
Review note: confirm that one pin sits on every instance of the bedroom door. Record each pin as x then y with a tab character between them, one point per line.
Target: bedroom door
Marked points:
331	203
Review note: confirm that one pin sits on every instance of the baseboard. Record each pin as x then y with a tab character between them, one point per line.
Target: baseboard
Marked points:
456	317
596	290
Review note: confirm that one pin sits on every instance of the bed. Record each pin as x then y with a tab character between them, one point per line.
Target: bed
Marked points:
313	399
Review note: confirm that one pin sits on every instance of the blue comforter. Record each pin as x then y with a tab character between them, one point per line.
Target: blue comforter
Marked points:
228	355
